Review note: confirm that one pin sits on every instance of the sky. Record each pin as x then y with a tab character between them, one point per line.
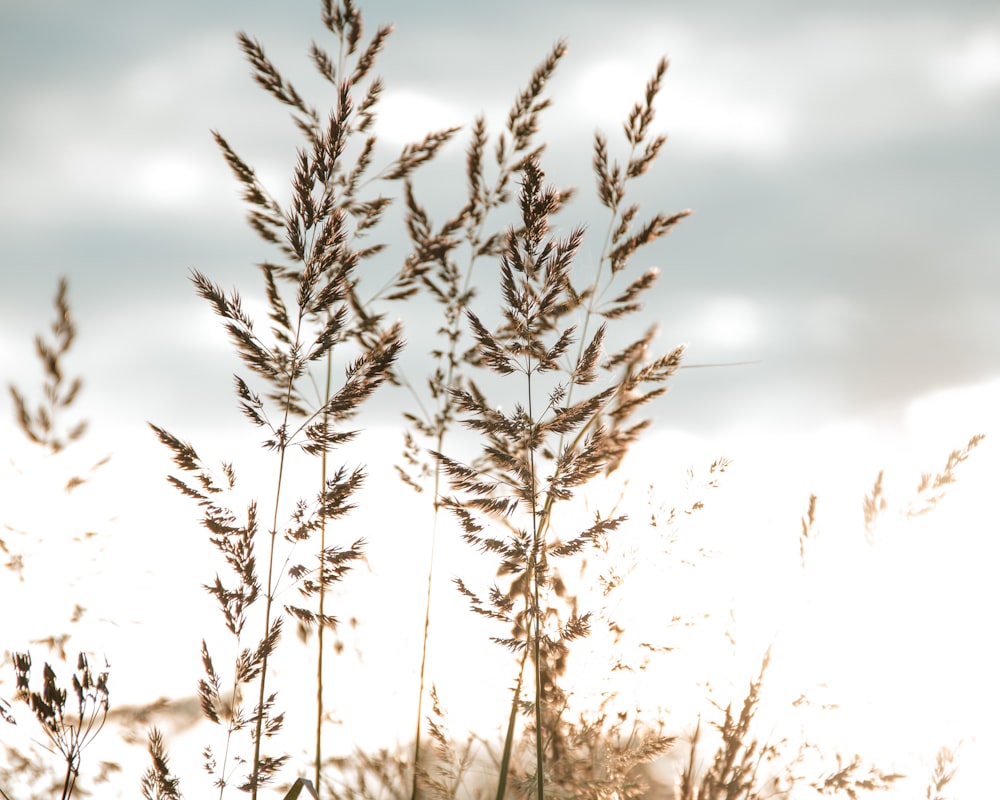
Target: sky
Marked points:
837	159
840	159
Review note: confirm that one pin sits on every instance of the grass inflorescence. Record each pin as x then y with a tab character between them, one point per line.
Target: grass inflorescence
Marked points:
555	387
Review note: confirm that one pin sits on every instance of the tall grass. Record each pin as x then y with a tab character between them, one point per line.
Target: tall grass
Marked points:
551	384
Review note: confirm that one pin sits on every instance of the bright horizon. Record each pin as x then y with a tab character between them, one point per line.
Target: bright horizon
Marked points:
891	630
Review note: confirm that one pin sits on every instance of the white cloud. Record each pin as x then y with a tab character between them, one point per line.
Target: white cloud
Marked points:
406	116
970	69
171	79
714	119
97	178
948	417
699	113
168	179
729	322
821	85
601	89
140	142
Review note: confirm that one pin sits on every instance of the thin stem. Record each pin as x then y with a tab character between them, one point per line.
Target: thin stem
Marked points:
259	723
229	725
594	296
423	652
322	590
536	547
508	744
473	238
70	782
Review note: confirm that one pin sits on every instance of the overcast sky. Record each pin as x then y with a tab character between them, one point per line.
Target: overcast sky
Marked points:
842	160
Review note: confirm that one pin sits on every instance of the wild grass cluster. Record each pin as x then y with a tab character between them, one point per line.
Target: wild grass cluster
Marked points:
509	418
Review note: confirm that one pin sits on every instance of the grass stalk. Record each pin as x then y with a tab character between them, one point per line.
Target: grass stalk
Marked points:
483	199
537	554
318	760
271	588
268	600
508	742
